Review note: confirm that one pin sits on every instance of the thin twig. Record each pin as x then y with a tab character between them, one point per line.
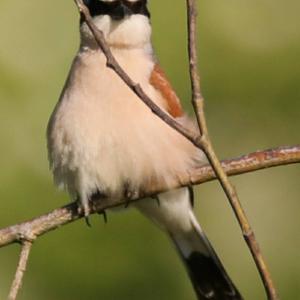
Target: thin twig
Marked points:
248	163
17	283
229	189
135	87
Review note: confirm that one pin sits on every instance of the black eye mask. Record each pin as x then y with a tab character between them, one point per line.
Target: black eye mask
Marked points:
117	9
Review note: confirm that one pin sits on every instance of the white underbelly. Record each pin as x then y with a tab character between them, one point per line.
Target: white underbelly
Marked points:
103	138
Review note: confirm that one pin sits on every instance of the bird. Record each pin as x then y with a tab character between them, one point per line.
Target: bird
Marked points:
104	141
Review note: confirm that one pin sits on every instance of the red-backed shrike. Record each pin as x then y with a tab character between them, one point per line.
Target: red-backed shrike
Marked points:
103	140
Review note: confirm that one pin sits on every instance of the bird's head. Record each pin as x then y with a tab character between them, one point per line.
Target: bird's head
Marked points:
124	23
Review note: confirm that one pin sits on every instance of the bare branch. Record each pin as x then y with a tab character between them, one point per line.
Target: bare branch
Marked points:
249	163
70	213
229	189
17	283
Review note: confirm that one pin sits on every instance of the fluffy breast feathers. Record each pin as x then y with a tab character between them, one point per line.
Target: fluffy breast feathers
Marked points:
101	137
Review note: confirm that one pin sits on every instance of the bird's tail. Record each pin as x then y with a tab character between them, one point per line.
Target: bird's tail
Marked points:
205	269
174	214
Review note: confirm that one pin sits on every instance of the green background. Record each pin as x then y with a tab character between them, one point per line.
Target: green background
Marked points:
249	59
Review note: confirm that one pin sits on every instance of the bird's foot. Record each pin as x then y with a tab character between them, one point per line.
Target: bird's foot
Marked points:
84	208
104	214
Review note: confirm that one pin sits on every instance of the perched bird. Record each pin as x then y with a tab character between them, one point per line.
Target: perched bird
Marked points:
103	140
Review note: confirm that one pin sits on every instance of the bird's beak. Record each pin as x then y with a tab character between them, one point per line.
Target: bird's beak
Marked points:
120	12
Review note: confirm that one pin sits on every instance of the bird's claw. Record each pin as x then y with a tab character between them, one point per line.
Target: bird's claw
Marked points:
104	214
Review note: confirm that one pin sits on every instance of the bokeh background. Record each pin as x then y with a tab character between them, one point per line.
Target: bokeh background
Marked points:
250	66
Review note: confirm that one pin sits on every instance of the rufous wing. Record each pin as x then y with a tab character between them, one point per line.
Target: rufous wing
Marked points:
160	82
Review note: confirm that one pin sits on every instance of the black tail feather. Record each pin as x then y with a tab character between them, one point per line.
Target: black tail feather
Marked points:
209	278
175	216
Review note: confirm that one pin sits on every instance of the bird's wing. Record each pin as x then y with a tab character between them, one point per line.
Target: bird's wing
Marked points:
160	82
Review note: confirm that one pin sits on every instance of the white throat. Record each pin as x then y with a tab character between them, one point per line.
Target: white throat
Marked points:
132	32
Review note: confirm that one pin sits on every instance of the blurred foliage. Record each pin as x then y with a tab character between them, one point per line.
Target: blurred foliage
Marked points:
249	58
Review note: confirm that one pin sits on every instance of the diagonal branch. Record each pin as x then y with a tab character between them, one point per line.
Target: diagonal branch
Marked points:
207	147
135	87
17	283
70	213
